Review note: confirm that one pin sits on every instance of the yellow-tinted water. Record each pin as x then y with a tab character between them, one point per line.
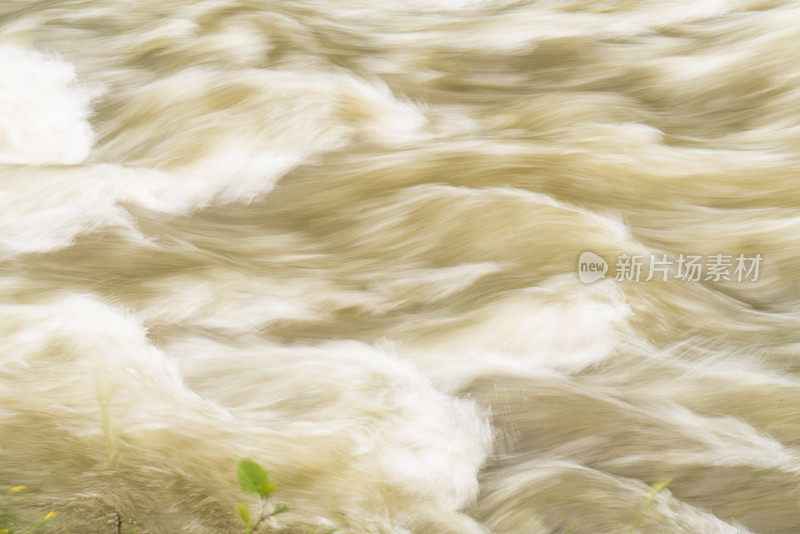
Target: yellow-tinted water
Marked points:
342	238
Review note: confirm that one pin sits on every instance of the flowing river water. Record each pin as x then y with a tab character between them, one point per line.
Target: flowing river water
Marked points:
341	238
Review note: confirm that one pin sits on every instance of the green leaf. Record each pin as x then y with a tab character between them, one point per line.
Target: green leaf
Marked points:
253	479
266	489
279	509
244	513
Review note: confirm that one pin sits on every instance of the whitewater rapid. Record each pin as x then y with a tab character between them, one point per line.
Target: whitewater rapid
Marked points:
341	238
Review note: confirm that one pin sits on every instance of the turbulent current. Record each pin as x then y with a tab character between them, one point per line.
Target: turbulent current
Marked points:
341	238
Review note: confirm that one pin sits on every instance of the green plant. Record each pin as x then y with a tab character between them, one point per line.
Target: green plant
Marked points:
110	433
256	482
655	489
9	520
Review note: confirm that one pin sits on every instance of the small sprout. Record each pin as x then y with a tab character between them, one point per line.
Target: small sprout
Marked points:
255	481
48	517
655	489
244	513
658	486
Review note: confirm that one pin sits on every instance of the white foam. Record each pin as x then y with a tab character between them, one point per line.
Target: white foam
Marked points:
44	110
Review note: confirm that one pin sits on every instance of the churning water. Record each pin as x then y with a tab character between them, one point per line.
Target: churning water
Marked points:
341	237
